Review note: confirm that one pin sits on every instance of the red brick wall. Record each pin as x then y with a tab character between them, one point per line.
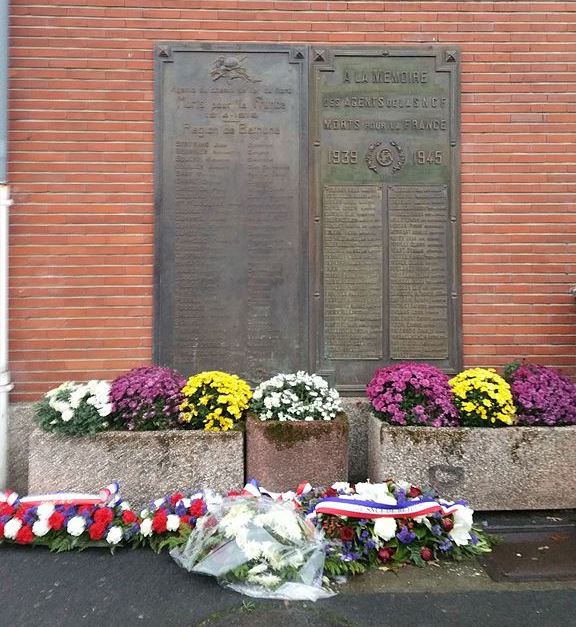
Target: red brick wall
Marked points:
81	166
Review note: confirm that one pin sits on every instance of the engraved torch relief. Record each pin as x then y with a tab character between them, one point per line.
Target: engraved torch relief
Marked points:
231	67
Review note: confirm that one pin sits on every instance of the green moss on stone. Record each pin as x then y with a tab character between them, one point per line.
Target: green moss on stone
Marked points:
286	434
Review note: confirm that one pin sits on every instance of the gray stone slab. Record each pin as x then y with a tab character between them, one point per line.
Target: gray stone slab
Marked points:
509	468
146	464
20	423
357	409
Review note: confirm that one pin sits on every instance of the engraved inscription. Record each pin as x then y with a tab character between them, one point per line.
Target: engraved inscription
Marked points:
352	221
418	271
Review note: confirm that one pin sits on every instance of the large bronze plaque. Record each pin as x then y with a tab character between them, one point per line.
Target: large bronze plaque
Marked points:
385	205
231	208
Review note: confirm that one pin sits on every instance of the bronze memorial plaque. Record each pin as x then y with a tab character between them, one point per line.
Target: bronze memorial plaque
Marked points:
384	131
231	279
254	274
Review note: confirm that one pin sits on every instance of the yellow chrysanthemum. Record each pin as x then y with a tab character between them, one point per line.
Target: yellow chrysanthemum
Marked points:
483	398
214	400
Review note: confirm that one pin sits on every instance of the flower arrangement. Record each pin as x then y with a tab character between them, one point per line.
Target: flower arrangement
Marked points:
542	395
299	396
411	393
357	541
258	547
168	521
147	398
483	398
214	400
64	526
75	408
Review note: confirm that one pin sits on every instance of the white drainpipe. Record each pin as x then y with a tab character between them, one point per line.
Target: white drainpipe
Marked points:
5	385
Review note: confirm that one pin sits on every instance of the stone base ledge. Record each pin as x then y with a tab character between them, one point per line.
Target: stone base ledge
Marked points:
508	468
147	464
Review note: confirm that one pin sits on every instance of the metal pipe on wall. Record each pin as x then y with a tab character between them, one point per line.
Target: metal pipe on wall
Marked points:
5	202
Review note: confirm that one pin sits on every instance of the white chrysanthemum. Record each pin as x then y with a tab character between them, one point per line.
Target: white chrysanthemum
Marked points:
172	522
378	492
146	527
77	395
258	569
12	527
67	415
40	528
76	526
45	510
267	580
114	535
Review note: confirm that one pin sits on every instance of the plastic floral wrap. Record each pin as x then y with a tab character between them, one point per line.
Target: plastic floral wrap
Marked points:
258	547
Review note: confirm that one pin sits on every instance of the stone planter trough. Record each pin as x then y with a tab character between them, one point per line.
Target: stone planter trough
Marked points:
508	468
280	455
147	464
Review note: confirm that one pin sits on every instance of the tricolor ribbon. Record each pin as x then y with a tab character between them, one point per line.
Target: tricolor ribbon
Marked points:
356	508
253	489
106	496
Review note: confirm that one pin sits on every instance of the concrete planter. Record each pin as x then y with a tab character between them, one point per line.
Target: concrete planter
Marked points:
280	455
508	468
147	464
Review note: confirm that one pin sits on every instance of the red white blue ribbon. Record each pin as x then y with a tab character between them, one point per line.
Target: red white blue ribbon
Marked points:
356	508
253	489
106	496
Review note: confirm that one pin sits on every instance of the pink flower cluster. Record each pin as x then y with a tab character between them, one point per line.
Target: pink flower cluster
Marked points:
411	393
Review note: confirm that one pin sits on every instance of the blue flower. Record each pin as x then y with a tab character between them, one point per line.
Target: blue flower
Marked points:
406	536
474	539
446	546
436	530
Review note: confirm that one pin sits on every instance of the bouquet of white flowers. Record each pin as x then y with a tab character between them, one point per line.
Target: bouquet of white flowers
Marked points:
76	408
299	396
258	547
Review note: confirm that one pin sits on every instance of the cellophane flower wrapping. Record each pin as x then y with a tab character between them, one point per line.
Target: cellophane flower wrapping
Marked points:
257	547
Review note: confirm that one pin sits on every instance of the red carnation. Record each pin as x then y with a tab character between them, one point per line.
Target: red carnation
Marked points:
97	530
22	512
103	515
85	509
197	508
56	521
1	530
347	534
6	510
24	535
447	524
129	517
426	554
386	554
413	492
330	492
159	521
176	497
234	493
185	519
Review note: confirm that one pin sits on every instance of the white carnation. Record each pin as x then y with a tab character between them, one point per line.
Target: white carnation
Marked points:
40	528
45	510
76	526
146	527
12	527
114	535
172	522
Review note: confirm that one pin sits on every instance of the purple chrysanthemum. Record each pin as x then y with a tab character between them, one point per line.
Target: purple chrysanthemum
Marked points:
412	393
147	398
543	396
